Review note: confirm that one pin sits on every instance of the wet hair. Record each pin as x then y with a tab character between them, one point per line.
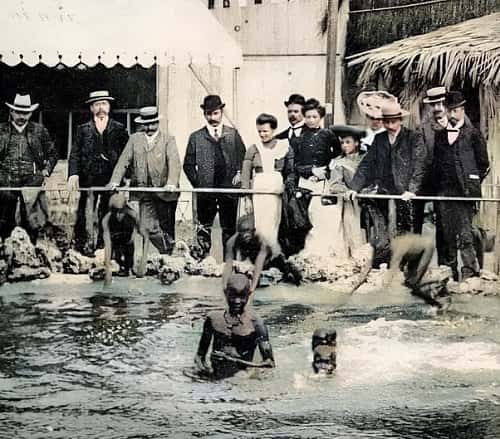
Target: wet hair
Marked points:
245	222
313	104
238	283
264	118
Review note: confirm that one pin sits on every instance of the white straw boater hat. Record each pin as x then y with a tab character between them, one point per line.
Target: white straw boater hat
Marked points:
22	103
436	94
101	95
393	110
148	115
370	102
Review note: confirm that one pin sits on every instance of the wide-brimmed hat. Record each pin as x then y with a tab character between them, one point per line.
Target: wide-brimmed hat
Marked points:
348	130
22	103
295	99
148	115
370	102
455	99
435	94
100	95
393	110
212	103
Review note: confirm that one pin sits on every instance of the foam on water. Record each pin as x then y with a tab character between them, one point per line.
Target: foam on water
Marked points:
387	351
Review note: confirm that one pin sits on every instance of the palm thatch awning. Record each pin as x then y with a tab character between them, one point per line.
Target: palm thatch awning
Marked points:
469	51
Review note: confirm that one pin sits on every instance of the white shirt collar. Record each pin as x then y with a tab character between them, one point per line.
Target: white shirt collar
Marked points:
393	137
295	129
211	129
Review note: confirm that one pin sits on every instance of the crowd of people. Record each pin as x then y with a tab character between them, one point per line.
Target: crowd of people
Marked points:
305	179
299	196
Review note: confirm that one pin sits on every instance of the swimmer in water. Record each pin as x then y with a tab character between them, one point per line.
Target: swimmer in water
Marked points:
235	332
118	226
247	244
324	345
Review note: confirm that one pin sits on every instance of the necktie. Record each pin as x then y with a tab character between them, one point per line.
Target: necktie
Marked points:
216	134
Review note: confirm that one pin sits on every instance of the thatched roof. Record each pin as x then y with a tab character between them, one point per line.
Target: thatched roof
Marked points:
467	51
375	23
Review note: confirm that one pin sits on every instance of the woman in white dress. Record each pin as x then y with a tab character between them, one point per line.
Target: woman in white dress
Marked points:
266	166
314	151
345	220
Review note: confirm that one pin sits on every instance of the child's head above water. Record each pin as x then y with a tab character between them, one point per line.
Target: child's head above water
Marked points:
237	291
324	343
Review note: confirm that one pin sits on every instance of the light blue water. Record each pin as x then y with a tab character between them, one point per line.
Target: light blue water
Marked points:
77	362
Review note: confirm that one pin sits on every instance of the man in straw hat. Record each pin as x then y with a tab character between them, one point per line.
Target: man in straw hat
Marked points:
27	158
213	159
370	104
433	120
394	165
460	164
151	159
96	147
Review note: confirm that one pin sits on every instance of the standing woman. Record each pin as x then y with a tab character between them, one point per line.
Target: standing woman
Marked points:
314	152
346	214
267	166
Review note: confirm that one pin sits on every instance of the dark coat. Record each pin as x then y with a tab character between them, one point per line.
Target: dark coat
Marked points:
85	159
199	161
315	148
471	159
41	146
399	167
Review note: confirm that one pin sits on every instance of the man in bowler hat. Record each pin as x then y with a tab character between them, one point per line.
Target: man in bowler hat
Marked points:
98	144
459	166
294	105
213	159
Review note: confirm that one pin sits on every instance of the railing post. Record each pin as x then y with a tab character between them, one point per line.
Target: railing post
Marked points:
89	219
392	219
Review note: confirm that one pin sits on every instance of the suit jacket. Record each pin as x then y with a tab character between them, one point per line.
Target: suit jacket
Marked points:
40	144
199	161
87	161
159	164
399	167
471	158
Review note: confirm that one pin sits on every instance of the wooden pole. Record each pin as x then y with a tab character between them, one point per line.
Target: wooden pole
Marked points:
331	58
497	231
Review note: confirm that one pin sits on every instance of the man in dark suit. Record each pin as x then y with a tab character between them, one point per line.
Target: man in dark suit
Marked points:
27	157
294	106
96	149
394	164
213	159
459	166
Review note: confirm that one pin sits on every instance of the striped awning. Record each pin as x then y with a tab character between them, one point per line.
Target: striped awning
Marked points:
126	32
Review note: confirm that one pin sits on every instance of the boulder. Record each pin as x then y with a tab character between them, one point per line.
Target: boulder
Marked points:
25	273
4	271
49	254
208	267
19	251
75	263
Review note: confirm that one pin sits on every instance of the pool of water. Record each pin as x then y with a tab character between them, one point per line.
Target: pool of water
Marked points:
77	361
